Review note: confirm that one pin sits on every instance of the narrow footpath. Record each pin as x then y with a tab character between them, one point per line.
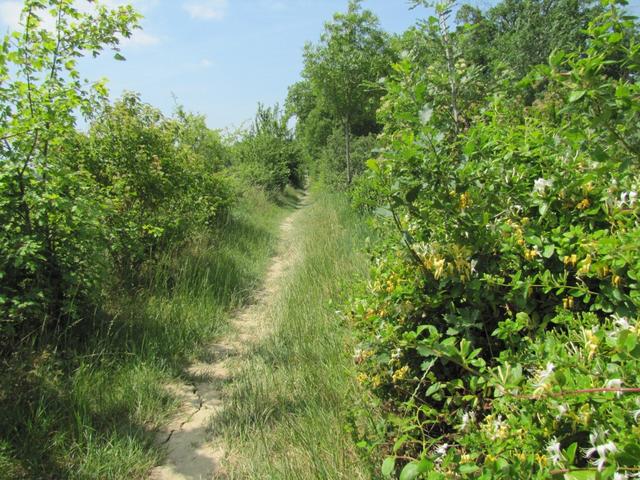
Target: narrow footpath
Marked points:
193	451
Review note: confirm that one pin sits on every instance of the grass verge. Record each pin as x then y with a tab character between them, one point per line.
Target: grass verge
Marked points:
290	400
85	407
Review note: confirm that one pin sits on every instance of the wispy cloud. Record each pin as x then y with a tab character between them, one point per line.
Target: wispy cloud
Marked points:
205	63
206	9
140	38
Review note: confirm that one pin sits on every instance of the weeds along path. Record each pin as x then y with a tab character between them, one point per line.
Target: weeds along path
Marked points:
289	409
192	453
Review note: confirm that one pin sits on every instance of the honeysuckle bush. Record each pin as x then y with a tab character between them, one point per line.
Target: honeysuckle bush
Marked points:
500	334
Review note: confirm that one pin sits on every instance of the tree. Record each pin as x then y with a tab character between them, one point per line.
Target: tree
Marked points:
344	67
267	154
523	33
47	207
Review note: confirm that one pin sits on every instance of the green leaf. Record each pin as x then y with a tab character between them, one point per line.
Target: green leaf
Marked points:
413	469
388	465
373	165
615	37
629	456
119	57
570	452
468	468
426	351
549	250
581	475
576	95
433	389
410	471
413	193
543	208
383	212
556	58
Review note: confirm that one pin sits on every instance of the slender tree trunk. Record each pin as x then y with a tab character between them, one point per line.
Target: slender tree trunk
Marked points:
347	142
444	30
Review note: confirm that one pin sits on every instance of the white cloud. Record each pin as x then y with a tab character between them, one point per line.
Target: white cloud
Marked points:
207	9
205	63
140	38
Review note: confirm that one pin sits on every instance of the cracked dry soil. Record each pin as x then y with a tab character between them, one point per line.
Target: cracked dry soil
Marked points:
193	451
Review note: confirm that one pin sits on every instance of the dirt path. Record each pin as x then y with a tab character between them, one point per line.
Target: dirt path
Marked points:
192	452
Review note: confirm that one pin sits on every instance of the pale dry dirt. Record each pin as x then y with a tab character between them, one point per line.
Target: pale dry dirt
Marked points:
193	451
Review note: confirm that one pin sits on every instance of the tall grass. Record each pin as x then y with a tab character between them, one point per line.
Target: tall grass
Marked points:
289	402
86	406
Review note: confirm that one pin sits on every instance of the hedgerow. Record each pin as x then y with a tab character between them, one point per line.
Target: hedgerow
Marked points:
83	212
501	333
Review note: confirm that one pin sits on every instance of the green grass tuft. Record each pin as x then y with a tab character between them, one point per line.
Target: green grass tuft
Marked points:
289	404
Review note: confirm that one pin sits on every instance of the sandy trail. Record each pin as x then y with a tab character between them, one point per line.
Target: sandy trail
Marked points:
194	452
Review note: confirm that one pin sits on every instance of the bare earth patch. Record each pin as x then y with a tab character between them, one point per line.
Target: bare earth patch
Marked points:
194	452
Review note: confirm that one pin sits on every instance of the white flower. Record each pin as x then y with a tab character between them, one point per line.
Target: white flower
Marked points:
602	449
622	323
543	375
623	199
620	476
425	114
467	418
499	429
548	370
396	354
442	449
636	413
563	408
614	383
555	454
473	264
628	199
541	185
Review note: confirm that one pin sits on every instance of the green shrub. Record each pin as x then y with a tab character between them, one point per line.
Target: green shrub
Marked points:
266	155
160	177
50	240
332	166
503	331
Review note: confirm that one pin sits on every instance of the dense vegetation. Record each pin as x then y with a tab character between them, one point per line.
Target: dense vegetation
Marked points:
110	242
494	154
499	331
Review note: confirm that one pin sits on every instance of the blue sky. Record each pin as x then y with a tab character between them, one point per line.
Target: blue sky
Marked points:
222	57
